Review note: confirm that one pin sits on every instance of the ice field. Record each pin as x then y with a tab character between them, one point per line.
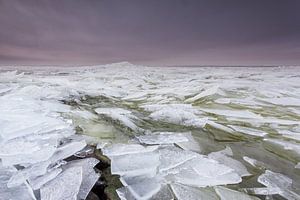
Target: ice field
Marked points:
212	133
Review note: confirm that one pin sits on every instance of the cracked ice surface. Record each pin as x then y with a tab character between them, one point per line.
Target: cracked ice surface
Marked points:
35	137
165	128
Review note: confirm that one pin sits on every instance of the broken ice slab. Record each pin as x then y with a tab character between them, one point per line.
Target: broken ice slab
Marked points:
215	90
40	168
275	180
191	144
148	193
21	192
283	101
286	149
137	96
171	157
83	114
130	180
124	194
87	151
264	121
135	164
37	169
101	145
298	165
16	124
201	172
249	102
164	193
223	133
38	182
20	146
227	151
163	138
145	189
233	113
183	192
281	182
122	149
29	149
180	114
262	191
67	149
40	155
221	157
254	162
248	131
89	176
65	186
125	117
290	134
228	194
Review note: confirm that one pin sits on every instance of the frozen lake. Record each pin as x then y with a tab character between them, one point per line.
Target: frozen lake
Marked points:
170	132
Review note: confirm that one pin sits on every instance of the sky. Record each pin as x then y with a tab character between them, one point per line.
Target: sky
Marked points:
150	32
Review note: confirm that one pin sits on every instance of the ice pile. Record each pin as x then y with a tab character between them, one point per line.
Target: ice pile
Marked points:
180	114
160	169
275	183
34	142
255	111
125	117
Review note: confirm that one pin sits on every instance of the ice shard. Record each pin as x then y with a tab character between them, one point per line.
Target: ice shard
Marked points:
65	186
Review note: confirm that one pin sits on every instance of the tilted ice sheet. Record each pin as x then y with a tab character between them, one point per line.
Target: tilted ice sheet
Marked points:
163	138
89	176
123	116
230	162
184	192
233	113
228	194
283	101
38	182
172	156
123	149
65	186
21	192
202	172
32	171
181	114
249	131
145	189
280	182
286	149
214	90
135	164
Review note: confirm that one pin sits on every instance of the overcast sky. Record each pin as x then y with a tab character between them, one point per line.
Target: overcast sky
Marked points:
150	32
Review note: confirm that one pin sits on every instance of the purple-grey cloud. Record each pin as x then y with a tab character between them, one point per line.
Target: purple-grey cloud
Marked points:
150	32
